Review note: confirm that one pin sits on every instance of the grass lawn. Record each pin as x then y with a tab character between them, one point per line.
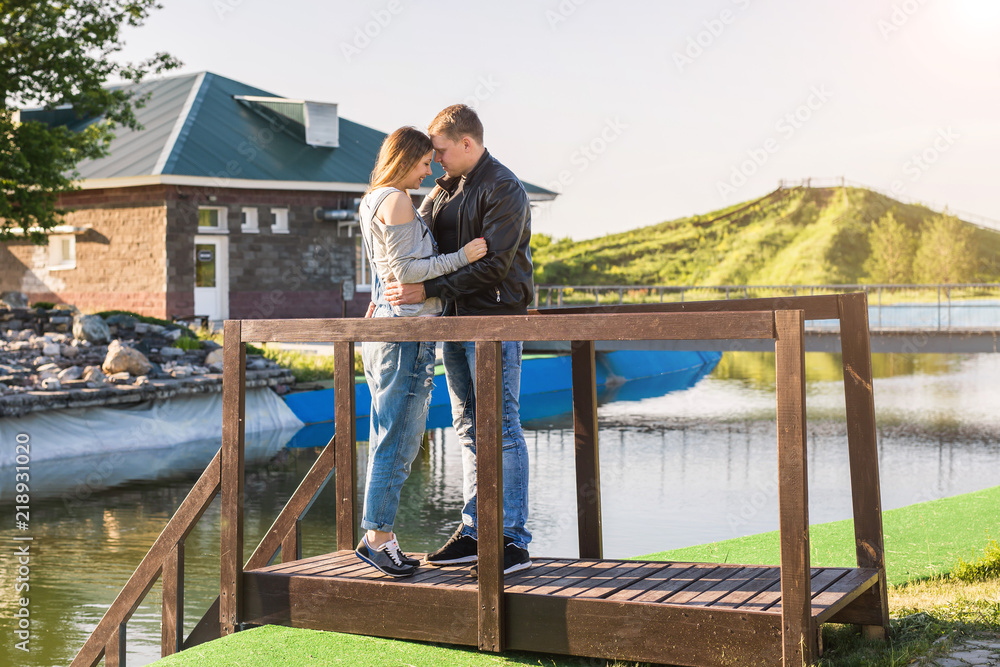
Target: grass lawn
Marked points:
944	573
921	540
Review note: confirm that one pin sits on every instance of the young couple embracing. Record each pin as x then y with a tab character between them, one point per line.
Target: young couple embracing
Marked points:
464	252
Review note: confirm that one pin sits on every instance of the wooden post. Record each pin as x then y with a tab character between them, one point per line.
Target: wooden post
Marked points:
588	470
233	429
489	493
291	545
798	639
172	620
345	442
114	652
863	448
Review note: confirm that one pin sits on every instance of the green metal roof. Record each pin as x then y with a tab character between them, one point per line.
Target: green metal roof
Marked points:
194	126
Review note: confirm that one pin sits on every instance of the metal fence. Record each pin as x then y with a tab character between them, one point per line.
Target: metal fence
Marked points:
972	306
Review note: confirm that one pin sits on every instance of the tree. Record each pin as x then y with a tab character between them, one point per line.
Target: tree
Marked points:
947	252
892	247
59	54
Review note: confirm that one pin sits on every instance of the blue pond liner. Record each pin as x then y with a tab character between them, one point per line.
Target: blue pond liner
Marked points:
623	375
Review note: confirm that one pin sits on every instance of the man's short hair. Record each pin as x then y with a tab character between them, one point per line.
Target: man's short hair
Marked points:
457	121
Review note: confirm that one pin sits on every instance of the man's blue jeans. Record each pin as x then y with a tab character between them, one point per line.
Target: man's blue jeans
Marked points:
400	376
460	371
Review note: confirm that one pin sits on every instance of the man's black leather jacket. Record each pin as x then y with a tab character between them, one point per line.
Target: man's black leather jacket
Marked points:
496	208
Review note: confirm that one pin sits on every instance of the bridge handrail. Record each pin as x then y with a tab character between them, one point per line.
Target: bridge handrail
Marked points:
780	318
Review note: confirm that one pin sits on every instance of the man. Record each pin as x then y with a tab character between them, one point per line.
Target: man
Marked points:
479	197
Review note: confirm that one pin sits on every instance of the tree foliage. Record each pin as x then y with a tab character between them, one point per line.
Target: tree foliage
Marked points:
892	247
59	54
947	252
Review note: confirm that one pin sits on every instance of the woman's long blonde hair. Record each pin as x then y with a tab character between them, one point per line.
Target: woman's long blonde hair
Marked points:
400	152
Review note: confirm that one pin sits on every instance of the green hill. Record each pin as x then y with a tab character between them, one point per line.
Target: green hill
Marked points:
793	236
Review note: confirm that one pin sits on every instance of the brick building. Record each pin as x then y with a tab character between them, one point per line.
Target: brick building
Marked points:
231	202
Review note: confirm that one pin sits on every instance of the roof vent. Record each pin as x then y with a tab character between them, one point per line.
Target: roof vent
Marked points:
315	123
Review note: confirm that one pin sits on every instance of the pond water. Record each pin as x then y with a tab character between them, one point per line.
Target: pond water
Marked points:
677	468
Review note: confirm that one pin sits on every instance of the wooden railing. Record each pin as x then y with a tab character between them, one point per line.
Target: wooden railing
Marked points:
780	319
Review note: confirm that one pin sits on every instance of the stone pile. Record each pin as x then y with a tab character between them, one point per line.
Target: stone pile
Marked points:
60	349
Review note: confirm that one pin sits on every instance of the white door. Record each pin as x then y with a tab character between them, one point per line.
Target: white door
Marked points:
211	276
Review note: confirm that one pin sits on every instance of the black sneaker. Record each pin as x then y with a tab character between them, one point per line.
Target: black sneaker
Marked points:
515	559
387	558
457	550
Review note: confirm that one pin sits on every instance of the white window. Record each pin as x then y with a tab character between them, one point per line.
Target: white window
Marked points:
280	225
249	224
362	279
62	252
213	219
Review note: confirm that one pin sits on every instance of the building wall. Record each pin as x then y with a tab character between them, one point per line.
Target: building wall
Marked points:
139	254
120	261
271	274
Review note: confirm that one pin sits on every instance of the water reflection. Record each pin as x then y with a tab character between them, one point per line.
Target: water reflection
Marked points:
677	468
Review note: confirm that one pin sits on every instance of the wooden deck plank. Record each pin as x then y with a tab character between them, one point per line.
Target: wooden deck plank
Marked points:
737	598
624	574
712	594
599	575
821	579
662	583
293	565
843	591
573	577
522	582
717	577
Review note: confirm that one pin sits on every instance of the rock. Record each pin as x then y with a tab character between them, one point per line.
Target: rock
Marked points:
257	364
71	373
156	328
141	380
26	334
92	328
120	378
14	299
125	359
51	384
121	320
68	351
51	350
60	319
95	375
210	345
171	352
141	328
48	367
68	307
47	375
40	361
214	357
173	334
182	371
216	368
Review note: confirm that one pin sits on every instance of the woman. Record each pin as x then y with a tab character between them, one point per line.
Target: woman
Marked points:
400	375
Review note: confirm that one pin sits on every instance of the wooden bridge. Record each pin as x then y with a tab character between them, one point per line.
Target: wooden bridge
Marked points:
679	613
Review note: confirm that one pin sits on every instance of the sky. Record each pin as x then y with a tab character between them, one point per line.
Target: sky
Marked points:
640	112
